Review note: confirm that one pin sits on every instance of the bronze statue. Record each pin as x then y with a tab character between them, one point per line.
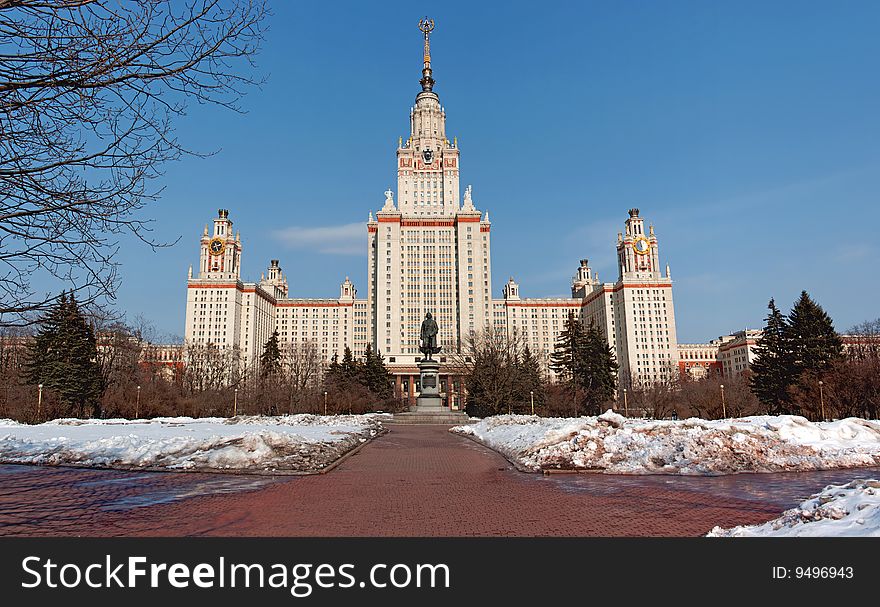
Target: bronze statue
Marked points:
428	337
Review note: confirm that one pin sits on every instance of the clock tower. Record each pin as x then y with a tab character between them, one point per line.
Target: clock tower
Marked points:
637	254
220	251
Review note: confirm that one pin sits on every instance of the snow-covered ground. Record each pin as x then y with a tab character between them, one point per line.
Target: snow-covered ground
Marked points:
838	510
288	443
614	444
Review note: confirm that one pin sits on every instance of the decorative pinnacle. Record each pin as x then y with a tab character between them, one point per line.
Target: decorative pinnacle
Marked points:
427	26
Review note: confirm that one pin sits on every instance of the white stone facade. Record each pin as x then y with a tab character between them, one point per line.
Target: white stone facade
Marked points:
224	311
430	252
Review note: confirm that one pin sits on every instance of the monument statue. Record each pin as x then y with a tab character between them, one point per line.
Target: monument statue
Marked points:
429	336
389	200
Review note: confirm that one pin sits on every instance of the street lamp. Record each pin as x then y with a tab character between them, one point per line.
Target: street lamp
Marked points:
137	402
625	405
822	399
325	402
532	395
723	406
235	403
39	401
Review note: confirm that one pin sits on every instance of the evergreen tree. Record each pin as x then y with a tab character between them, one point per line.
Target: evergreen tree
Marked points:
375	374
270	359
563	359
814	343
529	381
334	371
64	358
583	359
349	368
598	370
773	369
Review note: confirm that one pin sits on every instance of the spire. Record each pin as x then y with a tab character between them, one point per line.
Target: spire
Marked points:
427	26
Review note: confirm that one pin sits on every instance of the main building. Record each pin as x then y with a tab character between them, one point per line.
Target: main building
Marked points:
430	251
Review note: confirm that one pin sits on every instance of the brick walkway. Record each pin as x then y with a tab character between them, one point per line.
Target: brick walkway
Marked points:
414	481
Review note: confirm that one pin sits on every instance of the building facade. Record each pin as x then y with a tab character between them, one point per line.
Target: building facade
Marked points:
428	250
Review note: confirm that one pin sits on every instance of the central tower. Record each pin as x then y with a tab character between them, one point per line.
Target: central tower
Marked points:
430	251
427	164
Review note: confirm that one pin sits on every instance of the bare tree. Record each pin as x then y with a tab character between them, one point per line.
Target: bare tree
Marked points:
702	397
301	369
211	368
488	362
864	340
89	91
301	364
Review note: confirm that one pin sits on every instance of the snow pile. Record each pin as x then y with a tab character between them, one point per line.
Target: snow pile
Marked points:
288	443
614	444
838	510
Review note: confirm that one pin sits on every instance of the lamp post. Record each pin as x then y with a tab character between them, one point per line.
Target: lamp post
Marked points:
235	403
325	402
723	406
822	399
625	405
532	395
137	402
39	401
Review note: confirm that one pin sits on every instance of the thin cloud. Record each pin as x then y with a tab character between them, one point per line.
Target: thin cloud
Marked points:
346	239
854	252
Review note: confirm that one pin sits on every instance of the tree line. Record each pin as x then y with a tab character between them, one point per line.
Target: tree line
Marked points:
800	367
81	365
93	367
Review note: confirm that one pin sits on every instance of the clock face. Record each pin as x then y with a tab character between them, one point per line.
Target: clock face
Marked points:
428	155
641	245
216	246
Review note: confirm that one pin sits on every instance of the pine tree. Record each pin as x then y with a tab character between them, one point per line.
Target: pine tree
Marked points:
349	368
814	343
375	374
585	361
270	359
334	371
565	352
773	369
64	358
529	381
598	368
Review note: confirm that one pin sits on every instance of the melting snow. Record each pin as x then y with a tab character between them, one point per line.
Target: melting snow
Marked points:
614	444
838	510
246	443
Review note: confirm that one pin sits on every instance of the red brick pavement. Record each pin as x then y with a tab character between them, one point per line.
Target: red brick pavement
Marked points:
414	481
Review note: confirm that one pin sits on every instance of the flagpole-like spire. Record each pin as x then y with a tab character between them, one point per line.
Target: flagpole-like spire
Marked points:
427	26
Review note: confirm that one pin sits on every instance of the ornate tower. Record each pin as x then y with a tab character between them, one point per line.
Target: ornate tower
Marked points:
637	254
220	252
428	252
644	314
427	163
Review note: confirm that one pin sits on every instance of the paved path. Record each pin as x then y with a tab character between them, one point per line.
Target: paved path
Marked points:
414	481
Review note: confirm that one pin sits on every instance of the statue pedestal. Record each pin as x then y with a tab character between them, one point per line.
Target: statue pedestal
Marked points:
429	407
429	400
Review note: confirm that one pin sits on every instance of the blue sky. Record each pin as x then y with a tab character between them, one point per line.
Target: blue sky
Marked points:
747	132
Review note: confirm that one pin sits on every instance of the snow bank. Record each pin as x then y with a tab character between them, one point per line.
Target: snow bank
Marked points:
614	444
838	510
297	443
